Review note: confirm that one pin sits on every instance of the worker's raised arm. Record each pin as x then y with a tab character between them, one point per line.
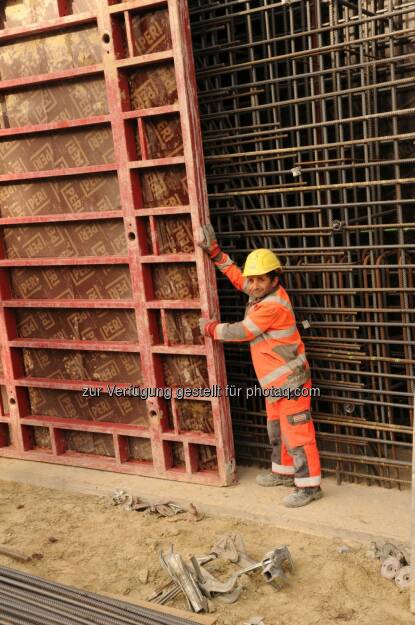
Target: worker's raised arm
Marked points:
207	241
261	317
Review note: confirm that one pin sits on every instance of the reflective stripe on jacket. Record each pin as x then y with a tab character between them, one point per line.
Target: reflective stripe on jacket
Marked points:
277	351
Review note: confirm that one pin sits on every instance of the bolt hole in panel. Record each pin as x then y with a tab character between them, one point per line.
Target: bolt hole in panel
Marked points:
101	285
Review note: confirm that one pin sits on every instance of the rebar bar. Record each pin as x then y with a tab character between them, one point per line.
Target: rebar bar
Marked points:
27	599
309	148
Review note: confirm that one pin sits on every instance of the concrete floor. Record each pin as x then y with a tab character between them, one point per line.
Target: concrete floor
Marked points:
350	511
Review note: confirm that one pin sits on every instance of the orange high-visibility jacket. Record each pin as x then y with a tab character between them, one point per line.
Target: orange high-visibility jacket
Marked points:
277	351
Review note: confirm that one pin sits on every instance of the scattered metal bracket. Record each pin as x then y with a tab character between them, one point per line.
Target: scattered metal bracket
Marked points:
231	547
199	585
163	508
184	578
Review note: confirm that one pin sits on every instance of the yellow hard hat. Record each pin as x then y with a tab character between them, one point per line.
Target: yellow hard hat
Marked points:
260	262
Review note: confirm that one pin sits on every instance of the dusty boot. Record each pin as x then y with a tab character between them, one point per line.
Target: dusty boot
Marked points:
302	496
274	479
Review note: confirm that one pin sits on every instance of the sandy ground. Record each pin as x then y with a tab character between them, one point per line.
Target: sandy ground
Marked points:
88	543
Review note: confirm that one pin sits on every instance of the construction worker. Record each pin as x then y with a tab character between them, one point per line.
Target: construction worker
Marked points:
280	363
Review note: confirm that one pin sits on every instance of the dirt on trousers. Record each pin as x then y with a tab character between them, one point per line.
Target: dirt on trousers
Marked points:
90	544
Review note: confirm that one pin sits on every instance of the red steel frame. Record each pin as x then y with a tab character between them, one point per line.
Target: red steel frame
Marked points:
14	380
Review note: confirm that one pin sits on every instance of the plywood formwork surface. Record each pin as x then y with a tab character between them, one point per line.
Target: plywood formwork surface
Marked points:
101	193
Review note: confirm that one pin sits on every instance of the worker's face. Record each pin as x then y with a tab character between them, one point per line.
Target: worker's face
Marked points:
259	286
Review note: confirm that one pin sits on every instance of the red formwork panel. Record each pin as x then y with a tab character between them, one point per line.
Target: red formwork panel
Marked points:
101	285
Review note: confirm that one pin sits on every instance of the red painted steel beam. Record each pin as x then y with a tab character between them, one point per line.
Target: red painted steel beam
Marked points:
168	258
69	385
188	350
174	304
58	173
59	217
152	112
163	210
129	5
103	463
64	262
145	59
60	125
39	79
88	426
122	429
191	437
157	162
193	152
129	33
67	303
48	26
8	363
108	346
144	324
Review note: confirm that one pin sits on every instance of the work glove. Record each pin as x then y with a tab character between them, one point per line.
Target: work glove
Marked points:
207	240
207	327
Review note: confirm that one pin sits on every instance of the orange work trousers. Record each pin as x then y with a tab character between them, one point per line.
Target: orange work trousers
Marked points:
293	439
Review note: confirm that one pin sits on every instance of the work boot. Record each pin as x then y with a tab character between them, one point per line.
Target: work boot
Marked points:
302	496
274	479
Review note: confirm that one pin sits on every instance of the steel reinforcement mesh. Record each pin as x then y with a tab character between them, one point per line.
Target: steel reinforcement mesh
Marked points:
307	111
